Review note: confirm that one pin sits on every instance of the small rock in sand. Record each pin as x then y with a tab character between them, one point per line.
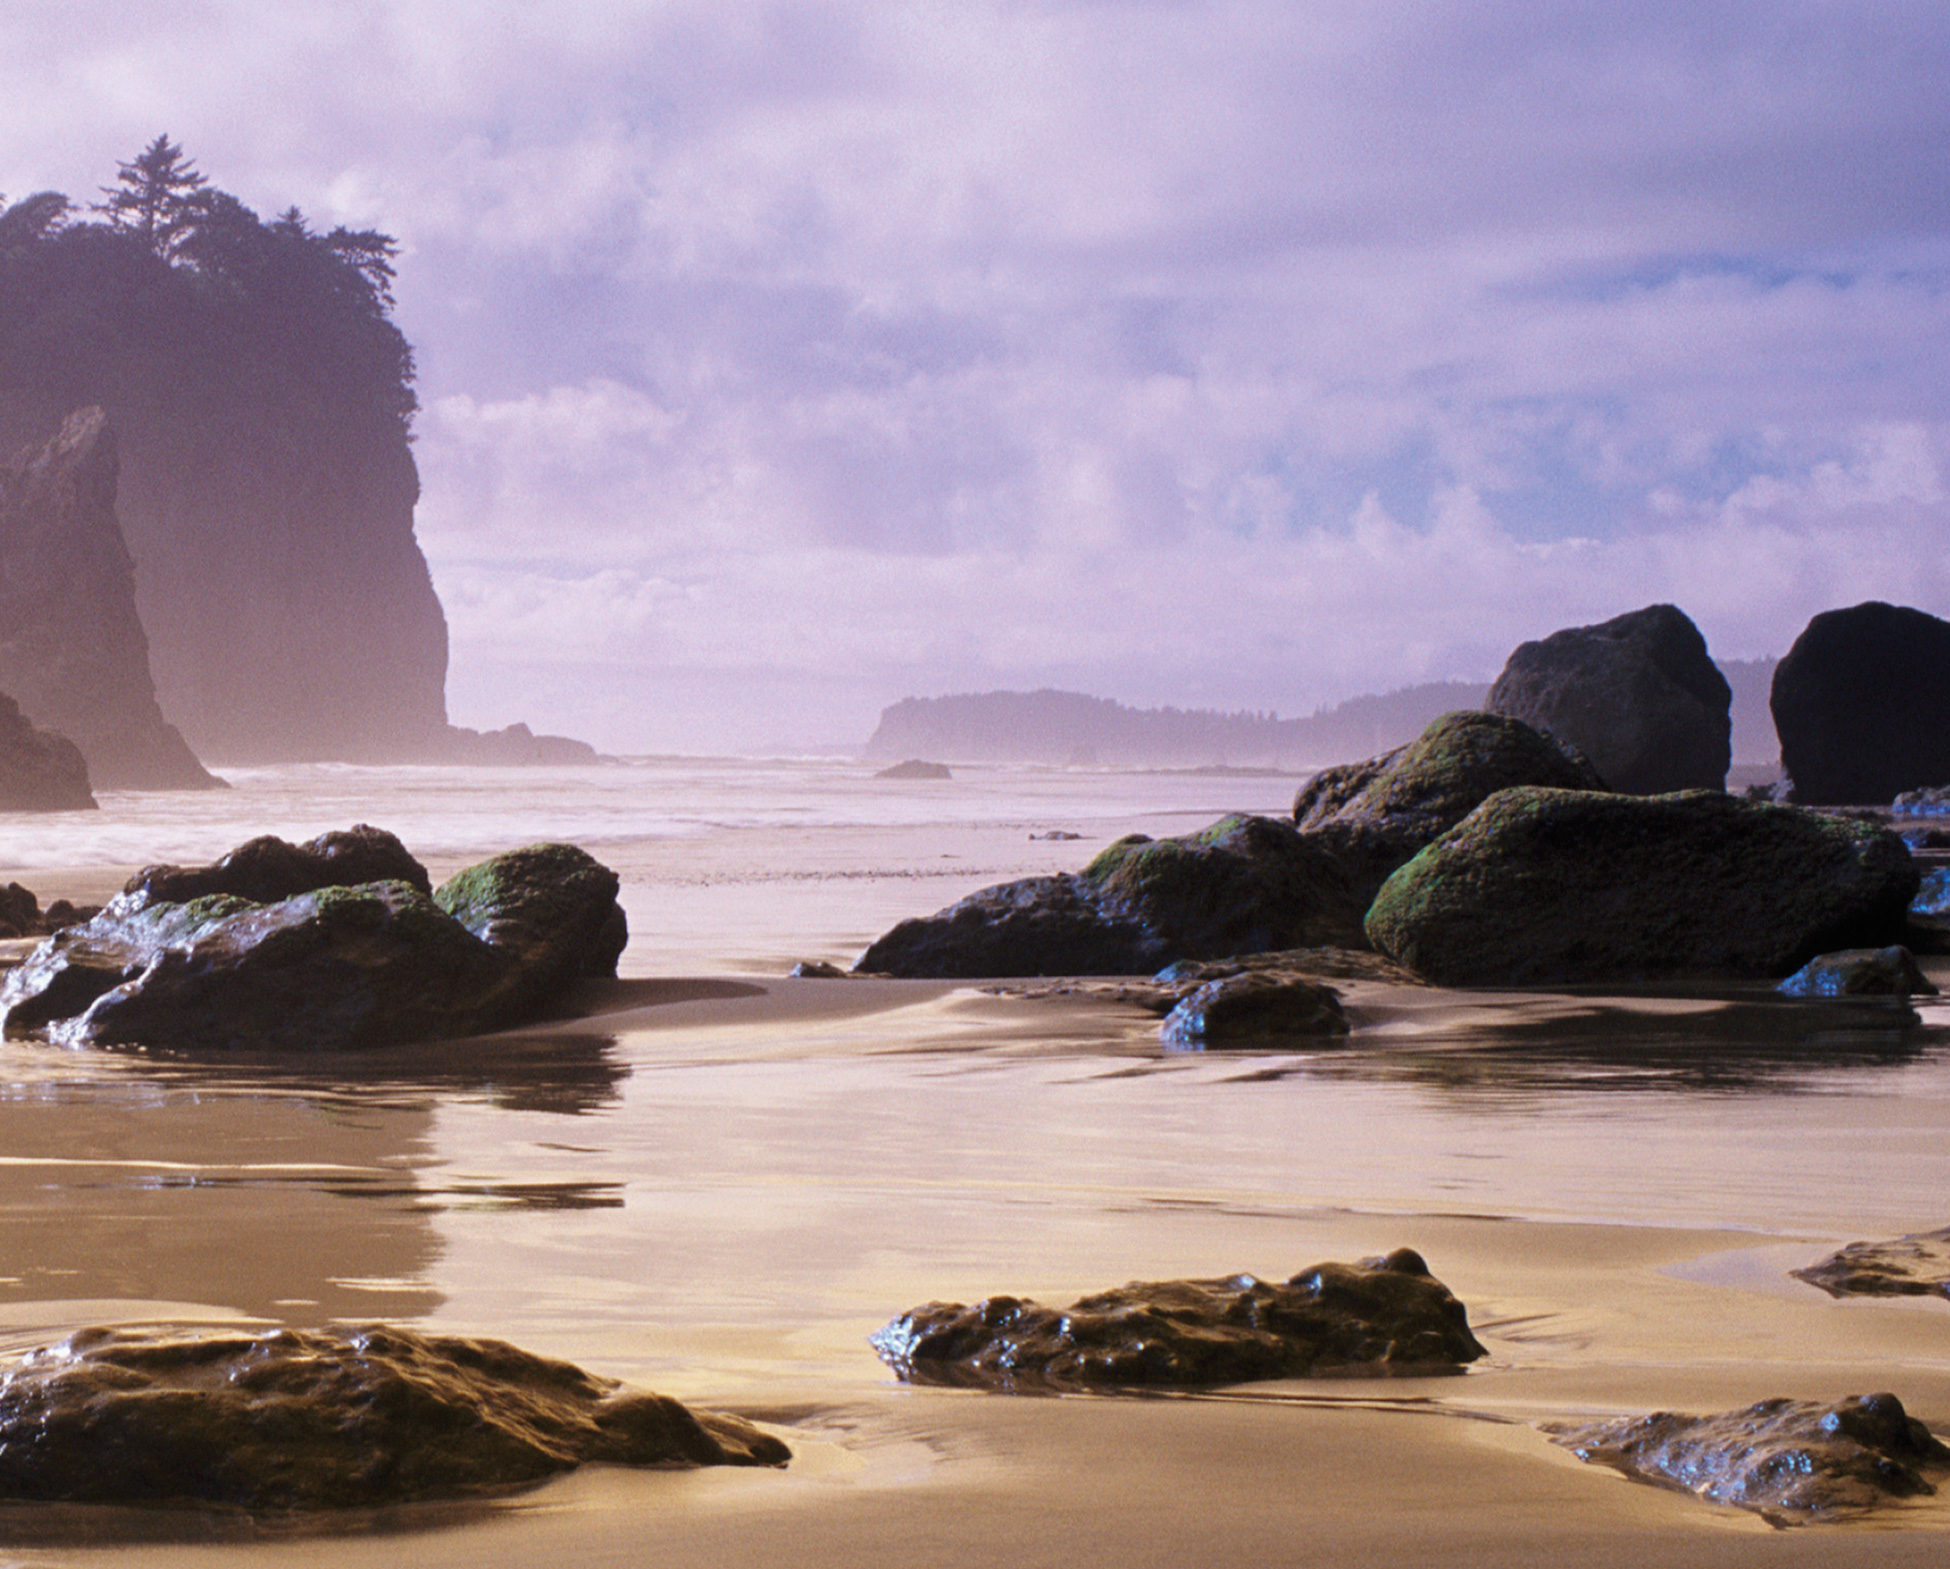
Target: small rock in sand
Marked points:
1917	1265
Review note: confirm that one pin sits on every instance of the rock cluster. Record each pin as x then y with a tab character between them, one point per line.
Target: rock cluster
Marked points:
1382	1314
1244	885
72	648
39	770
307	1420
1637	695
1373	816
1568	886
1794	1461
182	960
1862	705
1917	1265
1860	972
21	914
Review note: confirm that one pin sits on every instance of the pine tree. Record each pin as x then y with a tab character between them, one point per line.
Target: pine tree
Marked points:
158	196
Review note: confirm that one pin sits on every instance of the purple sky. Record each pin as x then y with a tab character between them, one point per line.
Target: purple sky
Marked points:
781	360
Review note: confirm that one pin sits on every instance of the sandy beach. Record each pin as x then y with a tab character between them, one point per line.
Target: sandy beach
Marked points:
717	1181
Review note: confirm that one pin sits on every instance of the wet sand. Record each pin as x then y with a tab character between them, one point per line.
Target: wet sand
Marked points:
717	1181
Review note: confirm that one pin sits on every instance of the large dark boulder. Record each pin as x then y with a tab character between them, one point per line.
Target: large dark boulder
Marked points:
267	869
1376	814
1244	885
1862	705
1794	1461
39	770
1637	695
1382	1313
72	649
337	967
1562	885
284	1420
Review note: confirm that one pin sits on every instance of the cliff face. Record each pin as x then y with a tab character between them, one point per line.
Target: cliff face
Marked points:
263	398
72	650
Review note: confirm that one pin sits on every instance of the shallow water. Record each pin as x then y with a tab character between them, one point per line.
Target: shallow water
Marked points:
717	1187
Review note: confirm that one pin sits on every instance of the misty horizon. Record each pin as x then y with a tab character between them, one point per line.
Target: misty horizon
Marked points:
778	363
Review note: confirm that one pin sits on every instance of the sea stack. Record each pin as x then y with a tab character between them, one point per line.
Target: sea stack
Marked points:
72	649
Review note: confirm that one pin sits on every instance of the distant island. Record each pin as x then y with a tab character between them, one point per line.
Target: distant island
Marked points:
1070	728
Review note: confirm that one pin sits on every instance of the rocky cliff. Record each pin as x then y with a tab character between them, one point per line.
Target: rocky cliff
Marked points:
72	650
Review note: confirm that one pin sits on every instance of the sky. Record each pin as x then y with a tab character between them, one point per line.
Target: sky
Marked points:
781	360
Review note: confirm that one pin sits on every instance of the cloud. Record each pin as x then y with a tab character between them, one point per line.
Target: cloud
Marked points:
780	358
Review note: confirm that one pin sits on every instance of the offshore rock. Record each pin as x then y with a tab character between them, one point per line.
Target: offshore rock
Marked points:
290	1420
1917	1265
39	770
1567	886
1380	1315
1637	695
1862	705
1254	1009
1375	815
1794	1461
916	768
1243	885
267	869
72	649
1860	972
373	964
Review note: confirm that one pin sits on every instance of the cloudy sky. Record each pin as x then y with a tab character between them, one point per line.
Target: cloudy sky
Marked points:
783	359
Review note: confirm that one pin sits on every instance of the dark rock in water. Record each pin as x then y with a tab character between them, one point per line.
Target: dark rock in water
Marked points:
1862	705
915	768
1934	802
1637	695
72	649
1243	885
1375	815
1057	834
549	911
1561	885
314	1419
1860	972
267	869
815	970
1794	1461
39	770
1917	1265
1380	1315
1254	1009
374	964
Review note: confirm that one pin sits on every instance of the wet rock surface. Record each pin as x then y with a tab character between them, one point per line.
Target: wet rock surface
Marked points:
1375	815
1862	707
1638	695
311	1420
1254	1009
1244	885
375	963
1794	1461
267	869
1860	972
1570	886
1917	1265
1379	1315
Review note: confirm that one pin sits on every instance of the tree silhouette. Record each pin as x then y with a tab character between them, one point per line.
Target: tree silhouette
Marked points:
158	196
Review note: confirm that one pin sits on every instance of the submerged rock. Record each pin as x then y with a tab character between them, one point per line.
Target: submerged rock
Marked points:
1380	1315
1862	707
1860	972
39	770
1561	885
1917	1265
314	1419
1243	885
267	869
1375	815
1638	695
1254	1009
1794	1461
376	963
